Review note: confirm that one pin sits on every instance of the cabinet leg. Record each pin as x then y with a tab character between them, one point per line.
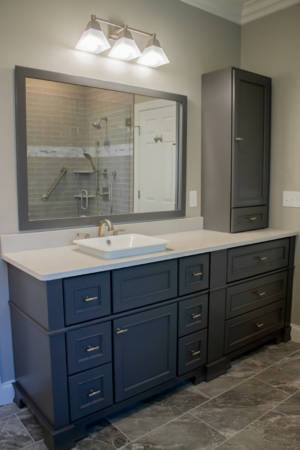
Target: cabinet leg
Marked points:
197	379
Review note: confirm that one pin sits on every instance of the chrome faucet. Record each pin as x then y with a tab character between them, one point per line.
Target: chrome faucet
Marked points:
105	223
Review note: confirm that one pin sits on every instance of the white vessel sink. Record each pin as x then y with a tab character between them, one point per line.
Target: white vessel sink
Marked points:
121	246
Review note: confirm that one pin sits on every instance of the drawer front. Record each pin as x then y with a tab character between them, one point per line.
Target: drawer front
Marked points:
142	285
193	274
90	391
89	347
192	314
87	297
255	294
192	352
246	219
252	326
252	260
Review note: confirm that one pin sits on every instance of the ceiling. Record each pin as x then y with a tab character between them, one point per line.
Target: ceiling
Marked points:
241	11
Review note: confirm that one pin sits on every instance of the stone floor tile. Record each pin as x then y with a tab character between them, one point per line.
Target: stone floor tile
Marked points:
235	409
103	437
13	435
31	424
184	433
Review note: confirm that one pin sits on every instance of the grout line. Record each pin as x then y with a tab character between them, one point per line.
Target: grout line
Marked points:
256	420
23	426
120	431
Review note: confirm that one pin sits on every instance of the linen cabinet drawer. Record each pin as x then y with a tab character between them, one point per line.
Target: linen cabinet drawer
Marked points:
87	297
192	314
90	391
192	352
253	260
251	295
193	274
142	285
89	347
250	327
247	219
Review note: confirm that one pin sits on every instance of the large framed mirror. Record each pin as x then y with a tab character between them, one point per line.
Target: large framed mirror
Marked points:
88	149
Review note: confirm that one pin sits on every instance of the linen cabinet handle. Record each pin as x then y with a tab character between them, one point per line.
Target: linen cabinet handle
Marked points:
261	293
263	258
197	274
239	139
195	352
259	324
253	218
120	331
196	316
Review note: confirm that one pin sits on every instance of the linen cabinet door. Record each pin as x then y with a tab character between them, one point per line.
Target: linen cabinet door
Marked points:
144	350
251	139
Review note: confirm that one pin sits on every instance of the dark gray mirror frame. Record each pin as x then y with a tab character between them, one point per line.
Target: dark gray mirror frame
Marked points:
21	73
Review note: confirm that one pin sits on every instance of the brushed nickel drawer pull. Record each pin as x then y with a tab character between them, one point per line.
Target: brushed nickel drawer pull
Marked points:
253	219
196	352
93	393
239	139
92	349
120	331
197	274
196	316
261	294
263	258
90	299
259	324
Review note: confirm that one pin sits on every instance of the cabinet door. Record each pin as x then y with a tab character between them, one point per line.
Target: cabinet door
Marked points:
145	350
251	139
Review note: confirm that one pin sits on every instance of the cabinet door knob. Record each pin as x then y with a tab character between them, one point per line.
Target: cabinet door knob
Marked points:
92	349
263	258
93	393
197	274
195	352
90	299
261	293
196	316
239	139
120	331
259	324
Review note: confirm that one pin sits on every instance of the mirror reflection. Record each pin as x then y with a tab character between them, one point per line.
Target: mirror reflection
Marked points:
99	152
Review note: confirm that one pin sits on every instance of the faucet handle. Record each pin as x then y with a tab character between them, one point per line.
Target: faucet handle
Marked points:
119	231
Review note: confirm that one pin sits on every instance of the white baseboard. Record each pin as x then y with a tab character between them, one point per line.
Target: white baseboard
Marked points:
6	393
295	333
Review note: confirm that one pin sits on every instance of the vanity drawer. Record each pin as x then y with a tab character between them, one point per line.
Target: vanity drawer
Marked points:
246	219
254	294
89	347
90	391
192	352
252	326
192	314
252	260
142	285
193	274
87	297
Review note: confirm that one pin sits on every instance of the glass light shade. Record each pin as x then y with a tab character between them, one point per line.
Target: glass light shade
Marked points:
125	47
153	55
93	39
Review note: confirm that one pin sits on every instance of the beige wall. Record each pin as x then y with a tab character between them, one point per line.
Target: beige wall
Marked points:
42	34
271	46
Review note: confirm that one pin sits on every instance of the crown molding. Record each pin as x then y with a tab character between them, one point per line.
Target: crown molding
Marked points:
255	9
228	9
241	11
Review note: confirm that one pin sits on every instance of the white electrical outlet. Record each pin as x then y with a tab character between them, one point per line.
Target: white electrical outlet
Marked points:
291	199
193	199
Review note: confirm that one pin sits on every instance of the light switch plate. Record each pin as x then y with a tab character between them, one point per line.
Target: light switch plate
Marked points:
193	199
291	199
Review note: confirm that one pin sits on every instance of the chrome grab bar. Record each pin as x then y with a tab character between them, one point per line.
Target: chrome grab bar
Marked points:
56	182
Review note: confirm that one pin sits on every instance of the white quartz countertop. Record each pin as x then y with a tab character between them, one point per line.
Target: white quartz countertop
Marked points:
67	261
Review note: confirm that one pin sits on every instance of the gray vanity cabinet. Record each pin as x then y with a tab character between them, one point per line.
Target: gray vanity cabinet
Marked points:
236	150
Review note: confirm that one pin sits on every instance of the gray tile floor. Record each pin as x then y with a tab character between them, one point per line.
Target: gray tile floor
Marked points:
255	406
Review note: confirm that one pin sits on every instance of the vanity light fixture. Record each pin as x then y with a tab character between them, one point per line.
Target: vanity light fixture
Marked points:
125	47
93	40
153	55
